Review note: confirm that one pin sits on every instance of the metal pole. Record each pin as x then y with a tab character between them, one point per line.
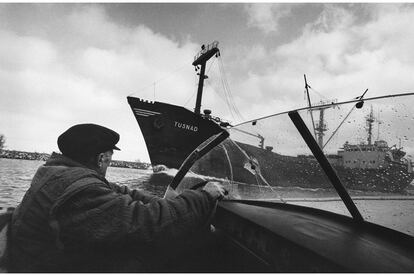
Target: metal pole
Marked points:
200	88
310	105
326	166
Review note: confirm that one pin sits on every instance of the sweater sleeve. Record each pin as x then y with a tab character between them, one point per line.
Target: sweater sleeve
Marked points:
98	214
137	195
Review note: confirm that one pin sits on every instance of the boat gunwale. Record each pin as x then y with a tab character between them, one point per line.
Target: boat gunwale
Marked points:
364	232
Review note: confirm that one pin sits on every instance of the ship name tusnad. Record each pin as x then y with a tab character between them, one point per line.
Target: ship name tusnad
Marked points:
185	126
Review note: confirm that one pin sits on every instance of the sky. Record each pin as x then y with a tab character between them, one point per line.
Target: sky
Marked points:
64	64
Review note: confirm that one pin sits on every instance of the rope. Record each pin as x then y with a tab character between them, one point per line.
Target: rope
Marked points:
227	91
320	94
231	97
333	133
211	64
218	94
192	96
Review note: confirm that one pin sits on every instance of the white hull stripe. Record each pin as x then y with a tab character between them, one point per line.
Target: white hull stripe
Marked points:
143	111
142	115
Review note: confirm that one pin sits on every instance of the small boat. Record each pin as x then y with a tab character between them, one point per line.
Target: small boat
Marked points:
273	222
251	233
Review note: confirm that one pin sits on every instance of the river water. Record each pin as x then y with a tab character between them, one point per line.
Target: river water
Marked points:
16	175
393	211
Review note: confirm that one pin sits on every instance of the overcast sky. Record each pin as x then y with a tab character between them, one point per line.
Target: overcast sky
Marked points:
63	64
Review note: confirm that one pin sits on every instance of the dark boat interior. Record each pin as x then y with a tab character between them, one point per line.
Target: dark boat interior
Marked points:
278	237
255	236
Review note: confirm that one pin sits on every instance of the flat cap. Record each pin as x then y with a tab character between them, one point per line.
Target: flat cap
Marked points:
86	139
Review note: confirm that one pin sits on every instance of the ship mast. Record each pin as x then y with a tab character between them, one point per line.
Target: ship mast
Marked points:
201	59
370	120
378	122
321	126
309	104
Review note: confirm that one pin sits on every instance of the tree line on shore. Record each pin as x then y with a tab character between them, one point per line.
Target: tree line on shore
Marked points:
14	154
2	141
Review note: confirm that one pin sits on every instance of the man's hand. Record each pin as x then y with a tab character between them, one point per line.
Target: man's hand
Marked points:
215	189
170	193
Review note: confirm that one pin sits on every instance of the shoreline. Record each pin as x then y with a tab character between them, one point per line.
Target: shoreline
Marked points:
36	156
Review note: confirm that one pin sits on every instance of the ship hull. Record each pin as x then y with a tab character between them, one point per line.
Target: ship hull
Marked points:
170	132
292	171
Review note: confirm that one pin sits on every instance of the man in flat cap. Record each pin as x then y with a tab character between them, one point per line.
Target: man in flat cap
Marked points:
73	220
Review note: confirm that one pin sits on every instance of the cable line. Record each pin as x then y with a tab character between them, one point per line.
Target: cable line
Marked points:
227	92
154	83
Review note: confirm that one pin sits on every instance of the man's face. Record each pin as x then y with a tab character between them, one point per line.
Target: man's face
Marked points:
105	159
